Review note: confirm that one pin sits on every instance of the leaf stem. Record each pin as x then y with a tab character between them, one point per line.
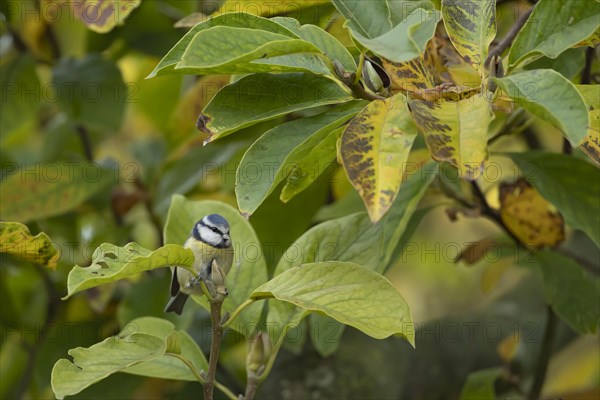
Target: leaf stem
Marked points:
199	378
237	311
263	375
215	346
189	364
361	61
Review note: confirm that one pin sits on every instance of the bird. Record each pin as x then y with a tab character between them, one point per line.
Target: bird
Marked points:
210	241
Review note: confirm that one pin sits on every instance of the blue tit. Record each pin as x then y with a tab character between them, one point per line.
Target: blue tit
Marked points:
209	240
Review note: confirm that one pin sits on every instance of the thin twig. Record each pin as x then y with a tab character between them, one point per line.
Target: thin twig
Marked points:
251	386
487	211
215	346
545	353
86	142
510	36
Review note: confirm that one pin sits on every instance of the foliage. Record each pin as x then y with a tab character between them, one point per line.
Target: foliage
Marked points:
332	129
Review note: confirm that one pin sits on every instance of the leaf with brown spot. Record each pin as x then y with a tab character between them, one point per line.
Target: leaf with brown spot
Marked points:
16	239
471	26
591	143
410	76
374	148
103	16
455	131
529	216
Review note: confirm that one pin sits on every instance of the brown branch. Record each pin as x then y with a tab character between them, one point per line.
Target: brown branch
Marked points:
509	38
215	346
488	212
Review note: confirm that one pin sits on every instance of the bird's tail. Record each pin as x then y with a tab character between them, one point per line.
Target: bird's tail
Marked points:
176	303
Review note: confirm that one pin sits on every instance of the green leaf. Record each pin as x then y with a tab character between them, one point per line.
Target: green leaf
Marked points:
102	17
374	151
471	26
16	239
456	131
569	63
281	318
373	19
167	65
570	184
249	269
326	42
325	334
316	161
480	385
571	291
111	263
45	190
354	238
591	143
553	27
228	50
261	97
550	96
279	152
91	91
140	348
406	40
347	292
167	367
21	96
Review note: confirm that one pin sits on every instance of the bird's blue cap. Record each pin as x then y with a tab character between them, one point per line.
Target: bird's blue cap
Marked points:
217	219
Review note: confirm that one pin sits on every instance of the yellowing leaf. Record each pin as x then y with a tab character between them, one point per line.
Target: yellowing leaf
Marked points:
507	348
529	216
493	273
266	8
574	369
409	76
16	239
374	149
455	131
591	143
103	16
471	26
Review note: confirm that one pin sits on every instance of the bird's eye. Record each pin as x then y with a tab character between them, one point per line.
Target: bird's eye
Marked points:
215	230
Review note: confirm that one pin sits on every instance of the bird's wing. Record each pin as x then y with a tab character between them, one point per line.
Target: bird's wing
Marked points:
174	283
